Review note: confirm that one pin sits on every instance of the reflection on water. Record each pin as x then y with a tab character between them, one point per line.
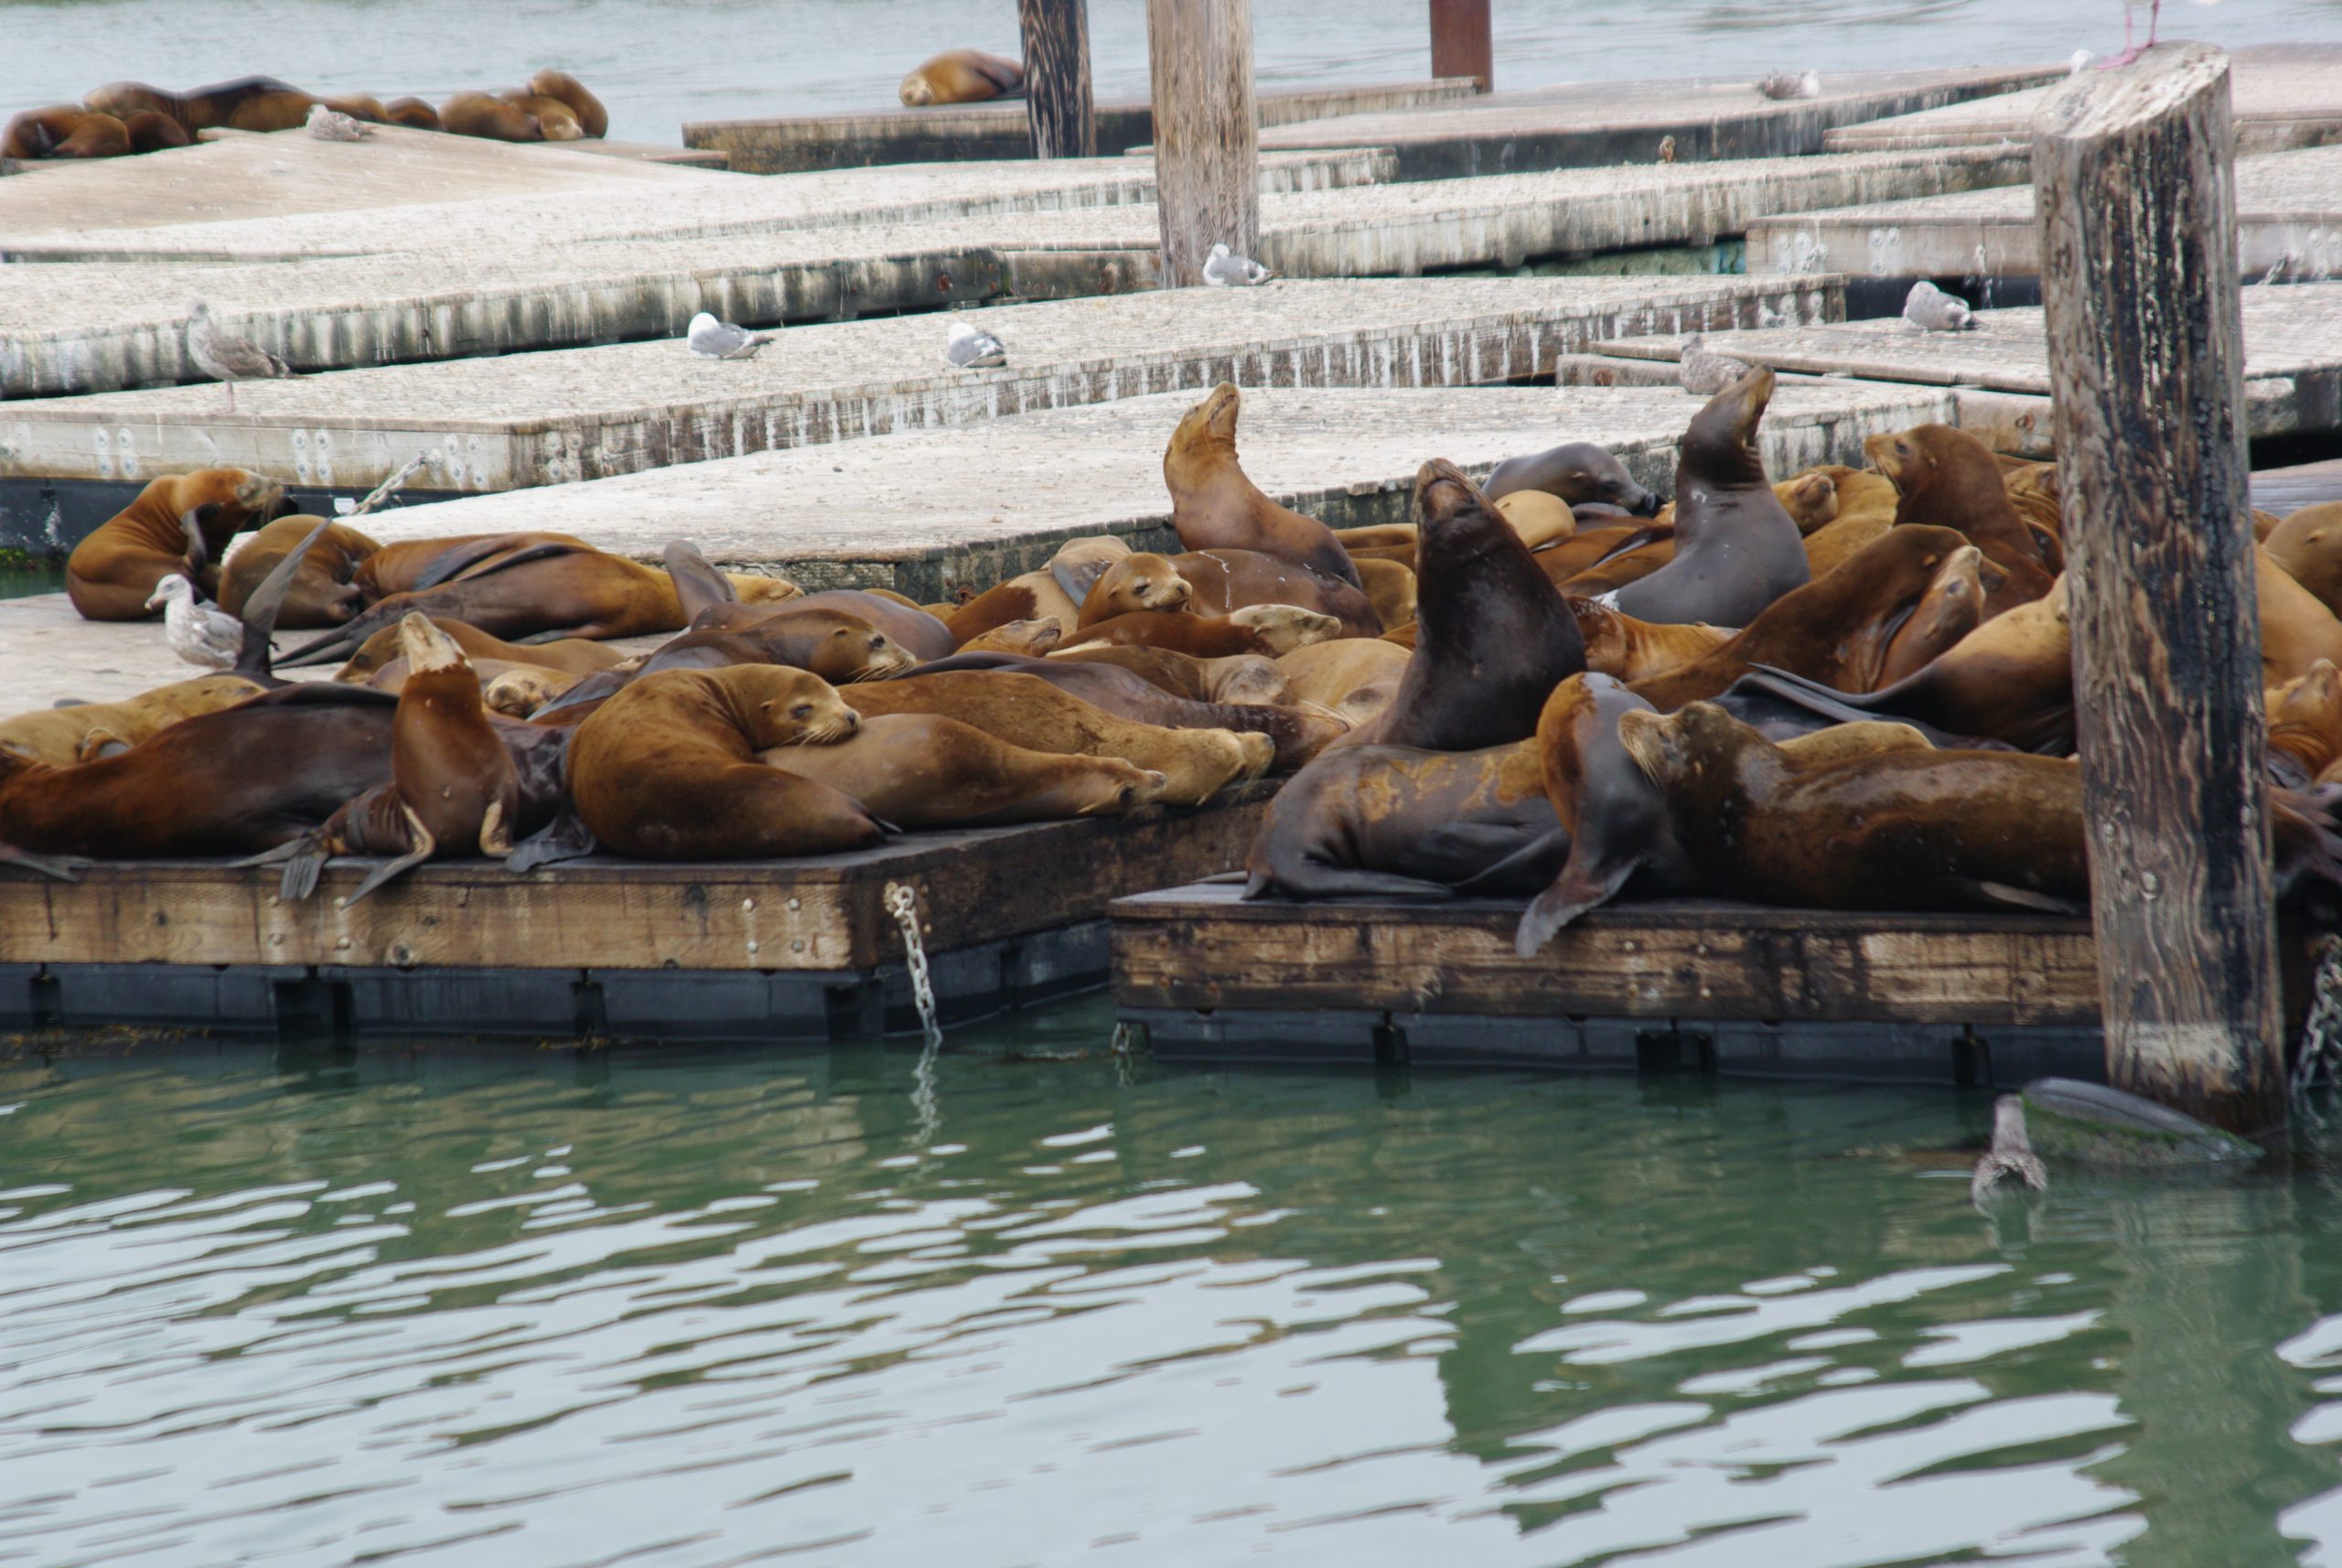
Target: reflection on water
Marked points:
657	65
710	1308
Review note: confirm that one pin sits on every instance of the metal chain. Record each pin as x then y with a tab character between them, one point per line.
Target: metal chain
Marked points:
383	491
2321	1049
903	904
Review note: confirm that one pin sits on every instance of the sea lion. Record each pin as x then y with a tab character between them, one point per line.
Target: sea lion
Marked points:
572	656
1026	711
517	691
2304	724
1032	595
840	647
960	76
1391	589
1575	473
362	106
151	132
1242	678
2033	490
1493	636
412	113
1378	535
591	118
416	563
1952	607
1836	543
1947	479
62	736
912	628
1593	544
1810	500
393	676
1215	505
322	594
1032	638
1736	549
478	114
1391	822
2296	628
178	524
1139	581
668	769
1627	566
1268	629
1836	631
1629	650
64	131
1225	581
921	770
1327	673
2308	546
555	121
1541	519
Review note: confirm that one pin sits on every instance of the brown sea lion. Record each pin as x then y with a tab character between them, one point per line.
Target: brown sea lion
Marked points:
2033	492
322	594
1810	500
179	524
2308	546
1834	544
478	114
517	691
1947	479
124	99
1575	473
393	676
1952	607
592	117
912	628
1391	589
1389	822
1031	596
960	76
1356	677
1493	637
1215	505
1542	520
2296	628
64	131
1139	581
2304	722
1269	629
1225	581
412	113
1378	535
1836	631
1034	638
1736	549
1026	711
921	770
555	122
62	736
572	656
1629	650
1241	678
416	563
668	769
151	132
362	106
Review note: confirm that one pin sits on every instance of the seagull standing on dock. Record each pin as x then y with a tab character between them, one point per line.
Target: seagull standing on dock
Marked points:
714	340
2010	1159
332	126
971	347
197	633
1784	85
1928	309
1225	269
226	358
2132	51
1704	372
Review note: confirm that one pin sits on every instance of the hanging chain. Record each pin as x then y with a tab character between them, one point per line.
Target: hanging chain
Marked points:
383	491
903	904
2320	1055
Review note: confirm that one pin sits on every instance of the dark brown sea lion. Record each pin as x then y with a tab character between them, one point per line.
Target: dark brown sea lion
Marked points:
2304	724
1629	650
362	106
179	524
151	132
479	114
1836	631
1493	636
1737	548
1225	581
1268	629
556	123
1391	822
322	594
1575	473
575	656
415	564
592	117
1026	711
2308	546
64	131
261	103
1215	505
124	99
1139	581
912	629
62	736
920	770
1947	479
667	768
841	648
412	113
960	76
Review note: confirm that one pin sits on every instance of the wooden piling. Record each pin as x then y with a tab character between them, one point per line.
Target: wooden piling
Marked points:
1460	44
2135	174
1206	141
1057	77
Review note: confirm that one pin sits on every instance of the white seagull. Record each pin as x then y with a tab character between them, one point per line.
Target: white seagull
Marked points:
1928	309
197	633
972	349
1225	269
1792	84
714	340
226	358
333	126
1704	372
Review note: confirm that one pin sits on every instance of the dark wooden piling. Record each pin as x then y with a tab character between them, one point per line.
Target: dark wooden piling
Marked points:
1057	77
2134	180
1460	44
1206	141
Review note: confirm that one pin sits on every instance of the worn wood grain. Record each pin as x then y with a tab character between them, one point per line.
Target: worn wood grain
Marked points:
1057	77
1206	141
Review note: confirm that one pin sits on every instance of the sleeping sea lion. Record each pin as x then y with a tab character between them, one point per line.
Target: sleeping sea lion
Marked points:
1575	473
840	647
1269	629
415	564
1629	650
478	114
921	770
322	593
2296	628
1952	607
1241	678
1215	505
556	123
573	656
591	118
412	113
1224	581
1736	549
179	524
2308	546
1541	519
62	736
1033	637
960	76
1328	672
1947	479
64	131
1139	581
912	628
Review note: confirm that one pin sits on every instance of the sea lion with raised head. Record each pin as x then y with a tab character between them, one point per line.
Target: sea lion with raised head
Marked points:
960	76
1576	473
921	770
177	525
591	118
1268	629
1139	581
1947	479
1215	505
322	592
555	122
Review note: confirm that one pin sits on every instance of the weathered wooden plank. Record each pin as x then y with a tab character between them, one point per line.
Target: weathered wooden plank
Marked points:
1206	154
1058	102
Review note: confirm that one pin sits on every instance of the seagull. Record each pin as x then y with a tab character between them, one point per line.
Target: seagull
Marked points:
2132	51
714	340
1928	309
332	126
197	633
2011	1158
972	349
1792	84
226	358
1705	373
1225	269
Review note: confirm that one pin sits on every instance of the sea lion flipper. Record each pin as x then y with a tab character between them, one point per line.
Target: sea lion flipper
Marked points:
698	584
567	837
425	846
479	558
99	742
198	549
1533	864
1576	890
261	608
2024	899
1077	577
63	867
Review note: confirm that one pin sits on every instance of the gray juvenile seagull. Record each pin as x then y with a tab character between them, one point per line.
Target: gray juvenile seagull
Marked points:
1704	372
226	358
1225	269
1792	84
333	126
197	633
714	340
972	349
1930	309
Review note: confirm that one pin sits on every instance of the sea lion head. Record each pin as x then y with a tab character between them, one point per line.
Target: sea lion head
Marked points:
916	92
1214	419
1720	444
1444	496
1810	500
1140	581
1032	636
879	656
425	647
517	694
763	587
1284	628
1903	457
1699	739
1118	787
788	708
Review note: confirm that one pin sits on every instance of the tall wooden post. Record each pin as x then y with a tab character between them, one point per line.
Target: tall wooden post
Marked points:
1460	45
2133	176
1206	142
1057	77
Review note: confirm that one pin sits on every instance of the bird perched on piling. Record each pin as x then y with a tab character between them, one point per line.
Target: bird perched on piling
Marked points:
972	349
197	633
2010	1159
1928	309
714	340
333	126
1792	84
228	359
1704	372
1225	269
2132	51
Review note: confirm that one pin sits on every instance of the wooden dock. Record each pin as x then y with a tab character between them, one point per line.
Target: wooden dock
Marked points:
547	418
2288	212
1695	985
1595	124
2284	96
798	143
601	948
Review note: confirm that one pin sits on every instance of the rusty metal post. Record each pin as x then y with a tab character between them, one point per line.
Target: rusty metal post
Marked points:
1460	44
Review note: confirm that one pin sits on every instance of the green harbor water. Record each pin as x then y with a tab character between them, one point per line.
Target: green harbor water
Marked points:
1031	1303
